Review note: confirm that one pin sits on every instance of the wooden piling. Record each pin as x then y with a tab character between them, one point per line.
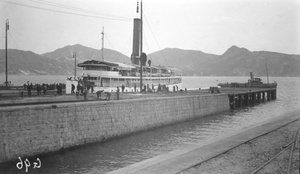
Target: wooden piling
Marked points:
247	99
231	101
239	100
251	97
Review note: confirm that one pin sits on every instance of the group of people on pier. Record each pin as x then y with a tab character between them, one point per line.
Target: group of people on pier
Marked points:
42	88
82	88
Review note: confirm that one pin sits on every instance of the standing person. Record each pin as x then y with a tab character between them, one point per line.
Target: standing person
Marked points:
73	88
78	87
39	89
57	89
82	88
44	89
29	89
118	93
60	88
85	91
134	87
88	87
123	87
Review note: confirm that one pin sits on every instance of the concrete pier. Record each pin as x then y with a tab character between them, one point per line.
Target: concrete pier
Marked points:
37	128
29	130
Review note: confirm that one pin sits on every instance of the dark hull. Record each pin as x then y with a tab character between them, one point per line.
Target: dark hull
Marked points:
248	85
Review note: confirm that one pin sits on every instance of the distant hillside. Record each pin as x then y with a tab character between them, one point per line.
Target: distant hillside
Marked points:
240	61
234	62
189	61
85	53
58	62
65	55
27	62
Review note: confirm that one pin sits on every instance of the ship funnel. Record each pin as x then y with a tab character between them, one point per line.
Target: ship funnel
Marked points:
251	75
136	41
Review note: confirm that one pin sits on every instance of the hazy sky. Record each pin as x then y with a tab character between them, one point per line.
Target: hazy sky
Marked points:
211	26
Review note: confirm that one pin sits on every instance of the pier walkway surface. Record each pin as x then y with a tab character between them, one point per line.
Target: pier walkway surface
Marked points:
242	152
10	97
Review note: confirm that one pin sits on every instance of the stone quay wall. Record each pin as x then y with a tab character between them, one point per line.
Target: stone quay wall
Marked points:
37	129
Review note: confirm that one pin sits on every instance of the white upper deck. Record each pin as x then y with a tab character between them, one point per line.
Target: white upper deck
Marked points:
114	69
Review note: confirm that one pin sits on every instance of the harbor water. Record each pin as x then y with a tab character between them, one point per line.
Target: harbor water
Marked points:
124	151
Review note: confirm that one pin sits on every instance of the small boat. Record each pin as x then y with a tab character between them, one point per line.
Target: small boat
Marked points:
253	82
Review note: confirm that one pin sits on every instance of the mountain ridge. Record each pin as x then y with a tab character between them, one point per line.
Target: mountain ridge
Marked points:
235	61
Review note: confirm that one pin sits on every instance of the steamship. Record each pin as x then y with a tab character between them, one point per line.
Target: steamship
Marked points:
253	82
107	76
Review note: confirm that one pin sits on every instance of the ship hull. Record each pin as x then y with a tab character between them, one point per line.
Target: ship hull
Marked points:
247	85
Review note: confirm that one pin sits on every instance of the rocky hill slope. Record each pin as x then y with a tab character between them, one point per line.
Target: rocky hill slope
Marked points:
234	62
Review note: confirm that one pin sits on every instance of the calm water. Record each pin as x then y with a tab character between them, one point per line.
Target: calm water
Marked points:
117	153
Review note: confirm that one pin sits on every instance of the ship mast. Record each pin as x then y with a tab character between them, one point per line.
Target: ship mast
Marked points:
141	49
6	28
267	72
141	27
102	43
74	56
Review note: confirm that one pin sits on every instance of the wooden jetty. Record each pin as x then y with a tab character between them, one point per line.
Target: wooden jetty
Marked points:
251	97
